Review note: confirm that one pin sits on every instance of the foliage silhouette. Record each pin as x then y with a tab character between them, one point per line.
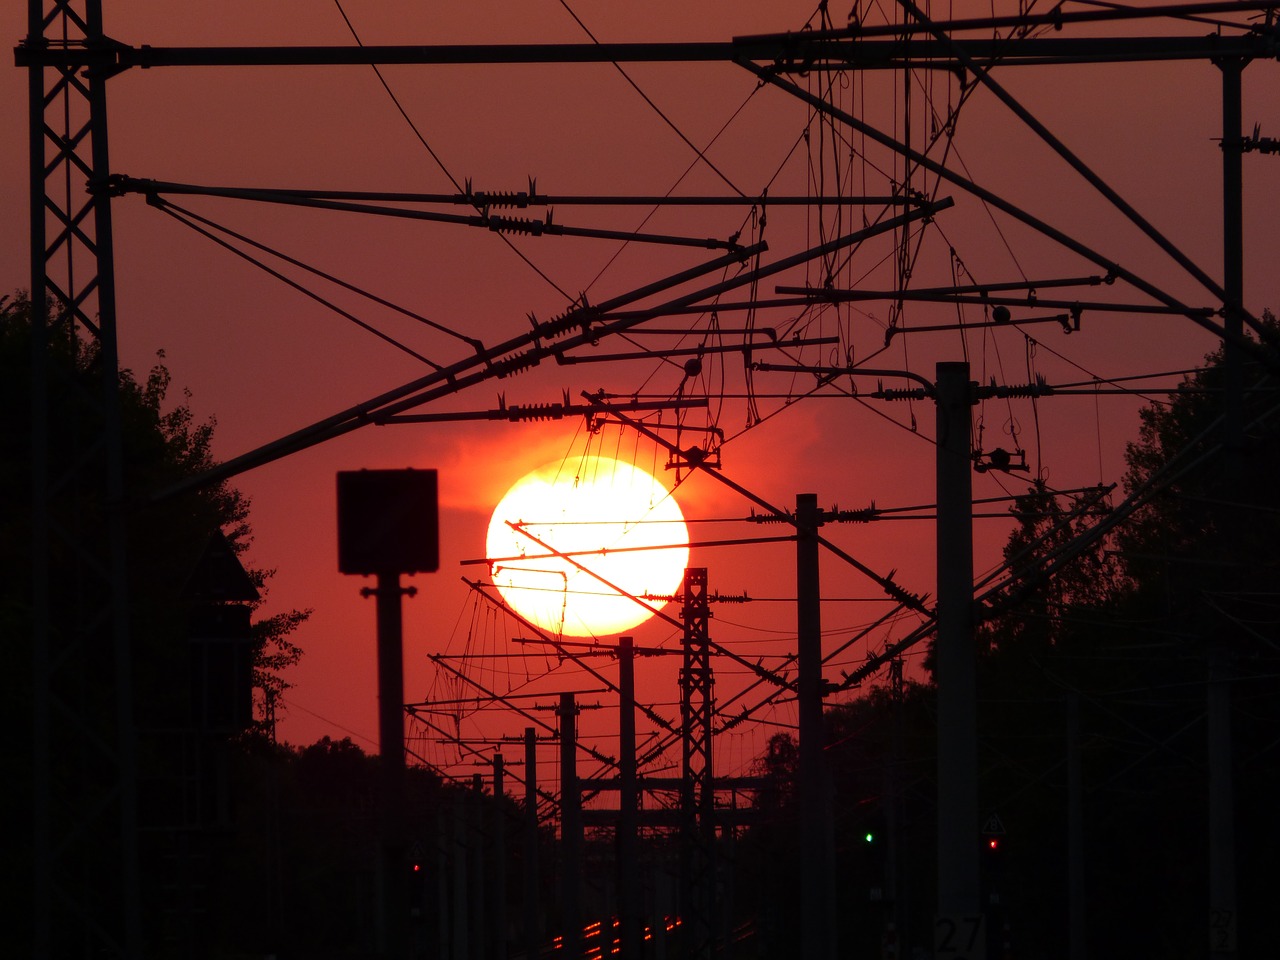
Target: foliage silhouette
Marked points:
181	769
1126	633
1120	638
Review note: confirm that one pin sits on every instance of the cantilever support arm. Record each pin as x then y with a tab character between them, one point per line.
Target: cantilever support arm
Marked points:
771	76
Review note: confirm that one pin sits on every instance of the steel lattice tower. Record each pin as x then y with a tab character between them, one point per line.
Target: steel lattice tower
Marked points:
697	704
84	836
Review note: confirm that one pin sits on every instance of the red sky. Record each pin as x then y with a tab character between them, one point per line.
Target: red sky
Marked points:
264	360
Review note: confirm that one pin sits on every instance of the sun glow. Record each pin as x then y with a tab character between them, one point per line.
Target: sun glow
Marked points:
621	530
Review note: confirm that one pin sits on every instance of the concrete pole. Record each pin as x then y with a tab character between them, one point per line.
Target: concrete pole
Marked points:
479	894
892	806
1077	927
628	866
959	897
817	853
461	889
441	886
1222	854
531	911
499	897
570	829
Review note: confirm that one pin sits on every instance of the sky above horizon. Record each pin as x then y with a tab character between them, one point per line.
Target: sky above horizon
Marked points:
265	360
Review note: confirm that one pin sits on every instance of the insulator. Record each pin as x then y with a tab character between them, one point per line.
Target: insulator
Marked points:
536	411
515	363
558	326
517	225
501	198
865	515
783	517
908	393
1023	390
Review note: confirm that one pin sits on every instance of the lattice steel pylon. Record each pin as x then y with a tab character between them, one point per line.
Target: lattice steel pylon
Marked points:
697	801
85	878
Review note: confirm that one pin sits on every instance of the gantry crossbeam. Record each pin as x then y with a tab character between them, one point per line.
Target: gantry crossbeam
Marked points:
789	53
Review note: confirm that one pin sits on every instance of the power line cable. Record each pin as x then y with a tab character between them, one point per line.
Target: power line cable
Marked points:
440	163
701	153
191	220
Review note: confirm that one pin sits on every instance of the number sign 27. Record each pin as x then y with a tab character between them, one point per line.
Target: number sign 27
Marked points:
959	938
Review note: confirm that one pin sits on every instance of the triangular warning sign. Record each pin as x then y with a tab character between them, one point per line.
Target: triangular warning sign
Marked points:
993	827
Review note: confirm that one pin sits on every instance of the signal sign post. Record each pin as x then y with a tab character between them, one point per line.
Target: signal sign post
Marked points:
388	525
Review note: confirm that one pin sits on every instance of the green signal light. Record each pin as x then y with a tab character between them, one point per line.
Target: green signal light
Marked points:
869	837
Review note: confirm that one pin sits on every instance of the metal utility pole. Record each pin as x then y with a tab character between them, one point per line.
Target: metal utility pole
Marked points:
394	903
817	934
958	933
388	524
80	632
570	829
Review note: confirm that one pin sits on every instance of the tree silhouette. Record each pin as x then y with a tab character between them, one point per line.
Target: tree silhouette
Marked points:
1127	633
182	768
1104	664
163	443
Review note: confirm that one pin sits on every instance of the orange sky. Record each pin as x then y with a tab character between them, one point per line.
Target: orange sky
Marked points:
264	360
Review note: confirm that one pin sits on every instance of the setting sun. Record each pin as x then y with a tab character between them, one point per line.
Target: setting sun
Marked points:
611	519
